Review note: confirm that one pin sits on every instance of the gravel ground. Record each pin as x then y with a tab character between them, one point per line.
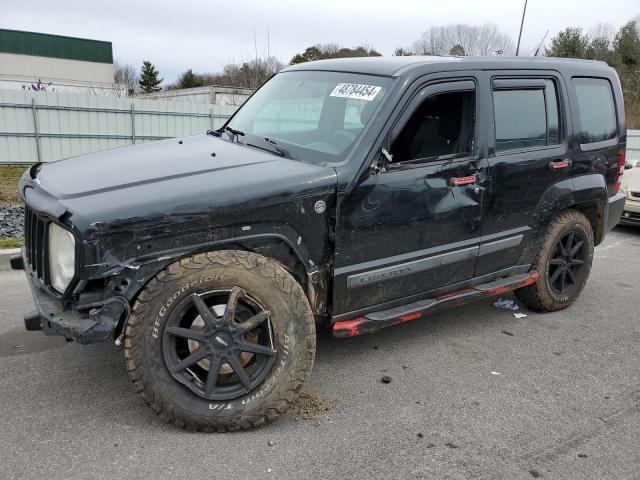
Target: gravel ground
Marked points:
473	393
11	220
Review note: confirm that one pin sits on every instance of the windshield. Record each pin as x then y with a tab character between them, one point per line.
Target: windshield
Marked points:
311	116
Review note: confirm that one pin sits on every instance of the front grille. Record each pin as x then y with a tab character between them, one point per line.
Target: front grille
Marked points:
35	240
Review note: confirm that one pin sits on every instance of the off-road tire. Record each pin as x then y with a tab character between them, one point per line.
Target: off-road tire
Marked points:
293	331
540	296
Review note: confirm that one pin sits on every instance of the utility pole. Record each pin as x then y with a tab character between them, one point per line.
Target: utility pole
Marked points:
521	24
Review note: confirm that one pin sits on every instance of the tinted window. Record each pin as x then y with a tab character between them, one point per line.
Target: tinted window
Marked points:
553	123
442	125
521	119
596	109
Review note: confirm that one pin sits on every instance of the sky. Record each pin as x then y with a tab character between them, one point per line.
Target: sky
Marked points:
205	35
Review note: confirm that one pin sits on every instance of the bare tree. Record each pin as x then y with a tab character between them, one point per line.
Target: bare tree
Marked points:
250	74
604	31
459	37
126	76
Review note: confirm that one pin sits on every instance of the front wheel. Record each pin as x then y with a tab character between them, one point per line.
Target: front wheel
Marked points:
564	263
220	341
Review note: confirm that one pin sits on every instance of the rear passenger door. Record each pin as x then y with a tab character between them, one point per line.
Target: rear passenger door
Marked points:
528	152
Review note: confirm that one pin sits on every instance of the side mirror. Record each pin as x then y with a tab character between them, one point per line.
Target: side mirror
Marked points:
381	163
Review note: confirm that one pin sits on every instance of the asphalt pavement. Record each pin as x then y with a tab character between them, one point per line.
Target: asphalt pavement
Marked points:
474	393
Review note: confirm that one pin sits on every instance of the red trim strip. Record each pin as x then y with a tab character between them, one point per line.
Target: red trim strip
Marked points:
360	325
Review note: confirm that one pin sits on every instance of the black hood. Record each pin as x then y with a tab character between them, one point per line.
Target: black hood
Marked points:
178	175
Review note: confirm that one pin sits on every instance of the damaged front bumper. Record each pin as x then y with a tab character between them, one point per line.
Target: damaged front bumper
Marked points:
89	321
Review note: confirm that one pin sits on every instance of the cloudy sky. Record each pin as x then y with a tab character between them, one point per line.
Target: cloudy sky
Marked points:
206	34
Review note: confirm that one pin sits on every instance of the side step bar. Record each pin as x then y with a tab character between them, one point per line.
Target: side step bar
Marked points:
374	321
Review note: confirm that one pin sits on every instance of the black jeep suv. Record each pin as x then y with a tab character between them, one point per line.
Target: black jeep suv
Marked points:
361	193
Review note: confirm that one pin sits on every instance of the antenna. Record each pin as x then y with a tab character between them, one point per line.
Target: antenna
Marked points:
521	24
541	43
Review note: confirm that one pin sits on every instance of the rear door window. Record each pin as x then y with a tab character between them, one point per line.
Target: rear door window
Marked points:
596	110
526	117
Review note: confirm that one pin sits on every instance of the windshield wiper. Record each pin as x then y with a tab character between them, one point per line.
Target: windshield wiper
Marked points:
235	133
269	146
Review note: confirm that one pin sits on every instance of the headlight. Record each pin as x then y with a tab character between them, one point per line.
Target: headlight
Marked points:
62	256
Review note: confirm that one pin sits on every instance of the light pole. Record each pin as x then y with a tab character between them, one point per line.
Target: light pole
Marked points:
521	24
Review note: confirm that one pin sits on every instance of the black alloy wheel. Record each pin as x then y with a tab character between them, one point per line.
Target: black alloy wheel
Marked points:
219	344
567	263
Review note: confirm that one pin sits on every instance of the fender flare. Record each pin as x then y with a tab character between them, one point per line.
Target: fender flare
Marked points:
586	193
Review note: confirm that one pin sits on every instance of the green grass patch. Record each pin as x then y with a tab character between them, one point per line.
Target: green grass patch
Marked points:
11	242
9	177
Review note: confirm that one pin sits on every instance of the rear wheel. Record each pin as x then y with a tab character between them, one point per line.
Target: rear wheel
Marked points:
564	263
220	341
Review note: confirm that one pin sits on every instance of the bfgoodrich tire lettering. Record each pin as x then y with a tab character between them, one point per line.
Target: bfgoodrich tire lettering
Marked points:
293	333
566	254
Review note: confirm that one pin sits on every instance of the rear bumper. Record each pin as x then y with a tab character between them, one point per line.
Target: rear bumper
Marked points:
83	324
616	207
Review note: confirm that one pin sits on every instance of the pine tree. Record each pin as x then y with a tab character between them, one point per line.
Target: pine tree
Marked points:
149	81
190	80
570	42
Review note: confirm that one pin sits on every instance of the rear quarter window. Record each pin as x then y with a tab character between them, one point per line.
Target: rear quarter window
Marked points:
596	110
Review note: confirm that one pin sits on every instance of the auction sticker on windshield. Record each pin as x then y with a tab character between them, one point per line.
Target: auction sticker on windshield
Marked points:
355	90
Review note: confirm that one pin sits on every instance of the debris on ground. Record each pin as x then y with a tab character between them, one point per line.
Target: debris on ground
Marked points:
495	373
506	304
431	445
385	379
519	315
421	435
272	443
582	455
451	445
507	333
310	407
534	473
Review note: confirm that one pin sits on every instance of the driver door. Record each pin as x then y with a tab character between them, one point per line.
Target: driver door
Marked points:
414	227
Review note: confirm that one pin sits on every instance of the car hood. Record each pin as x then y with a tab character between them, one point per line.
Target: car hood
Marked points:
191	174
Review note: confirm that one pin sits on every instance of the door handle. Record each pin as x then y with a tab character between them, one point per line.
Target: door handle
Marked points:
559	164
458	181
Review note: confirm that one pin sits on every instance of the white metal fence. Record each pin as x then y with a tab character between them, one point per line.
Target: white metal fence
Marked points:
39	126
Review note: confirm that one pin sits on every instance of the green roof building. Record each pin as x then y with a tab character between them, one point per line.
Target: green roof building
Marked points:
56	63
